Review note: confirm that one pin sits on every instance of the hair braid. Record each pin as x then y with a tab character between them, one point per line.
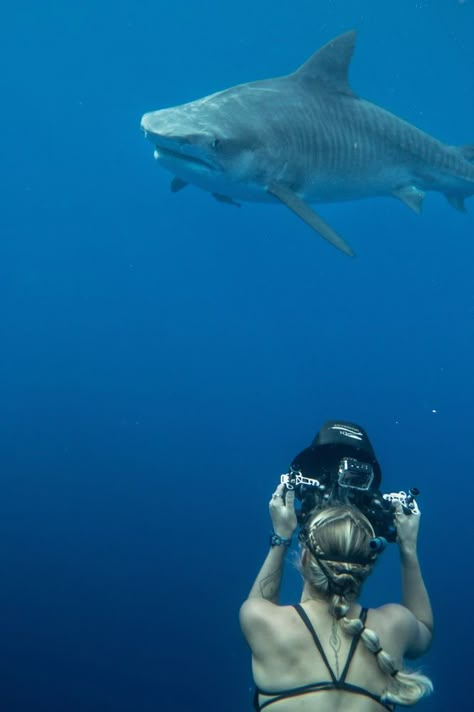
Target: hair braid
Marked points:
405	687
344	531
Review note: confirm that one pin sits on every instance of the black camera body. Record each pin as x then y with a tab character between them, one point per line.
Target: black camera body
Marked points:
340	467
379	511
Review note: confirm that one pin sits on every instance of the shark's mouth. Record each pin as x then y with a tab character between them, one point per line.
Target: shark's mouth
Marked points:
161	151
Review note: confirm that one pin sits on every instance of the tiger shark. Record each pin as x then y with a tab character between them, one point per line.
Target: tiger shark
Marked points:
305	138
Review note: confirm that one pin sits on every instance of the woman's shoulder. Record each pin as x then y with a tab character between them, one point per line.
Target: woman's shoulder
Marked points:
391	616
255	610
261	617
390	612
396	622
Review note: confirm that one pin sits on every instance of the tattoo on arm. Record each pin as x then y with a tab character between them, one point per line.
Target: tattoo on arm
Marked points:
270	585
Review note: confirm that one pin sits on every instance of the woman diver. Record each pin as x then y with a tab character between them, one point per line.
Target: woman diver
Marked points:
328	653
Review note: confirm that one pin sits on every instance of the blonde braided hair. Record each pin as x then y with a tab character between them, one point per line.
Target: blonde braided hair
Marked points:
336	541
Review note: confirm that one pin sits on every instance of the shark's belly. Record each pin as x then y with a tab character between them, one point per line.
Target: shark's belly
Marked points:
347	179
326	188
319	185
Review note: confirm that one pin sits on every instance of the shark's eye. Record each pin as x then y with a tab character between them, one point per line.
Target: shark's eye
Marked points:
215	144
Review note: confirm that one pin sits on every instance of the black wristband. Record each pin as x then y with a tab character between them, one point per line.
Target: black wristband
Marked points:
276	540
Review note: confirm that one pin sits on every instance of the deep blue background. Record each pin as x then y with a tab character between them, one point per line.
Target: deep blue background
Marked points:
163	357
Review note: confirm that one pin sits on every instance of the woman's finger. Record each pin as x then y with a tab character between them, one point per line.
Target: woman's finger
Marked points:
277	496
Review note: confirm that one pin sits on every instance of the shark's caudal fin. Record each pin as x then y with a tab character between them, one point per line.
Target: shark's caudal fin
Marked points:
467	152
330	65
303	210
456	200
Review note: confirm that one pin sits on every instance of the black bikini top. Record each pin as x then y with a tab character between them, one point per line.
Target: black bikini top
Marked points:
333	684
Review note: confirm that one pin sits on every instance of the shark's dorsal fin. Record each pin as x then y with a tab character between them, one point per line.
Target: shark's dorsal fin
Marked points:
330	64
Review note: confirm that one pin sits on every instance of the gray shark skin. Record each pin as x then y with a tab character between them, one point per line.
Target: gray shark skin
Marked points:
305	138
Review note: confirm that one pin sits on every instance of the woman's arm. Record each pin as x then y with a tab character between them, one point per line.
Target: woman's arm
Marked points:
257	614
282	512
414	594
268	581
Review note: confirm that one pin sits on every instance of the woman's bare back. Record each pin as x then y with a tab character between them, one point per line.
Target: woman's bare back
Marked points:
287	658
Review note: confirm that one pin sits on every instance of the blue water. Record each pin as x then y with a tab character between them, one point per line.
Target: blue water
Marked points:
163	357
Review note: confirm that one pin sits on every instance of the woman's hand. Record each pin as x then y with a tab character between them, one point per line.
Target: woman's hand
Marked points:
407	526
282	512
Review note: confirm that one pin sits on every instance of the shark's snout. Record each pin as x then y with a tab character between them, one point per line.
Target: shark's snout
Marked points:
155	124
166	127
176	142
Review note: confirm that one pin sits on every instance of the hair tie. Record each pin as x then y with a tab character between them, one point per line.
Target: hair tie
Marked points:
395	672
376	652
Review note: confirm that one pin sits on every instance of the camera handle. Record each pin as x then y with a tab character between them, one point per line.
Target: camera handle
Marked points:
291	479
407	501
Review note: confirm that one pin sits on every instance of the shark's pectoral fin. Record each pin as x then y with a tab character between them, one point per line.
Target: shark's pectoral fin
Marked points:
177	184
226	199
457	201
411	196
303	210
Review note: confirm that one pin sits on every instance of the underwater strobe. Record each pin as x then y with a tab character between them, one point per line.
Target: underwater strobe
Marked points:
340	467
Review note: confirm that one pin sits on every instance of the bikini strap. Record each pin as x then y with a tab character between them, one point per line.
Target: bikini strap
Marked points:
304	617
354	643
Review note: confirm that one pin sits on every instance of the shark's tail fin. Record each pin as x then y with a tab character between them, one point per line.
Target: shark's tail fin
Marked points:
467	152
456	200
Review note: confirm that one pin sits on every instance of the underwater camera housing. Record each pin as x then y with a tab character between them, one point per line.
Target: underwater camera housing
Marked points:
340	467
